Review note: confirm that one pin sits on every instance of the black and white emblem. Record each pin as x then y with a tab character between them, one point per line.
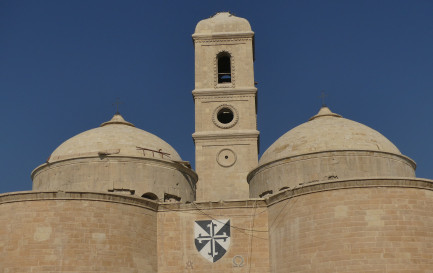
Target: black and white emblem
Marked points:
212	238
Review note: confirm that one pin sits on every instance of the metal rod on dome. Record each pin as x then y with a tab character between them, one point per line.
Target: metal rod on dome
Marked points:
153	152
117	103
323	96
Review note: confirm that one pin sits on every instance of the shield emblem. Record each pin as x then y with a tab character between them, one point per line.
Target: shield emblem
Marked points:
212	238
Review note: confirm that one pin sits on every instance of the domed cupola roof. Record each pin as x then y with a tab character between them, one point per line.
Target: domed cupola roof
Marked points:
119	158
327	131
115	137
327	147
223	22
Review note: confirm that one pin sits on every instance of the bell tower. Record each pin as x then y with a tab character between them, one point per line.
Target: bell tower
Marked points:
226	136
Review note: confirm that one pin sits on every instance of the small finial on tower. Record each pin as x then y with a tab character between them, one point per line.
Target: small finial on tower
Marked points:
323	96
117	103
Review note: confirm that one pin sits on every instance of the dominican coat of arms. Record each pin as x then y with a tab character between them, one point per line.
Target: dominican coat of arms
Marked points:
212	238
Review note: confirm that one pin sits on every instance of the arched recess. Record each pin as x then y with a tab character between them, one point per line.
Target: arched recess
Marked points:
151	196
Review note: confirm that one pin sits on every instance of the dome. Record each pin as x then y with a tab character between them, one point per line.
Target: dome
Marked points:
223	22
119	158
327	131
115	137
327	147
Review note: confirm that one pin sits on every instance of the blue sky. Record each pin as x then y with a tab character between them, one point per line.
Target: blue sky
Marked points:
64	63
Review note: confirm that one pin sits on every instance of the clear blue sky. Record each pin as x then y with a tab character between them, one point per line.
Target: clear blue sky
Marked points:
64	63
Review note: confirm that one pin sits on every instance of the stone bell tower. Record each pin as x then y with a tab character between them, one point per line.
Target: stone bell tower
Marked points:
226	136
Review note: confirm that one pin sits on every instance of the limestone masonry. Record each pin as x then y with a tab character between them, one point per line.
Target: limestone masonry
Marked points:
331	195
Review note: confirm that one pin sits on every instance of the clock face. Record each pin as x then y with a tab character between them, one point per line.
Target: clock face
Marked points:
226	158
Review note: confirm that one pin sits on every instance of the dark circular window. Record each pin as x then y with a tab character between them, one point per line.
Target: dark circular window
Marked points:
225	115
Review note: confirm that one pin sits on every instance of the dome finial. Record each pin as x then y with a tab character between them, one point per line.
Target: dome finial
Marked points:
117	119
117	103
323	96
325	112
222	12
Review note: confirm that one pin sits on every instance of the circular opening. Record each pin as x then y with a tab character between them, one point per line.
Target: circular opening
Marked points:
225	115
226	157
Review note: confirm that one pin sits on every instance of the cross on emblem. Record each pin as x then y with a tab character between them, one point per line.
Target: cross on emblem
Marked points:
212	238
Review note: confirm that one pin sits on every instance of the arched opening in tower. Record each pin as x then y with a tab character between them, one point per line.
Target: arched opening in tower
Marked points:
224	68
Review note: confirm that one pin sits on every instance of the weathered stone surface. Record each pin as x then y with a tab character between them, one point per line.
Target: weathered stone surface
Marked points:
385	229
74	233
133	176
327	131
338	196
248	251
222	22
225	151
328	147
327	166
117	157
116	137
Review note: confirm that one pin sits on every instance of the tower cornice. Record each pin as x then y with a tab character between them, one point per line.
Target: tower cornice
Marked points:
232	134
224	92
222	35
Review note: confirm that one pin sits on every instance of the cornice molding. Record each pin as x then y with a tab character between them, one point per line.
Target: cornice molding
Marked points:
224	92
229	134
89	196
384	182
211	205
290	159
178	165
212	37
362	183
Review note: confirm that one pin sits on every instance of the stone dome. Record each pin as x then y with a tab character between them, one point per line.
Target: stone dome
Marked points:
327	147
223	22
115	137
117	157
327	131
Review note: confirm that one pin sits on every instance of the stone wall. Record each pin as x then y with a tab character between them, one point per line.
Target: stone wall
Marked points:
76	232
334	228
240	48
117	174
248	250
327	166
223	166
370	225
